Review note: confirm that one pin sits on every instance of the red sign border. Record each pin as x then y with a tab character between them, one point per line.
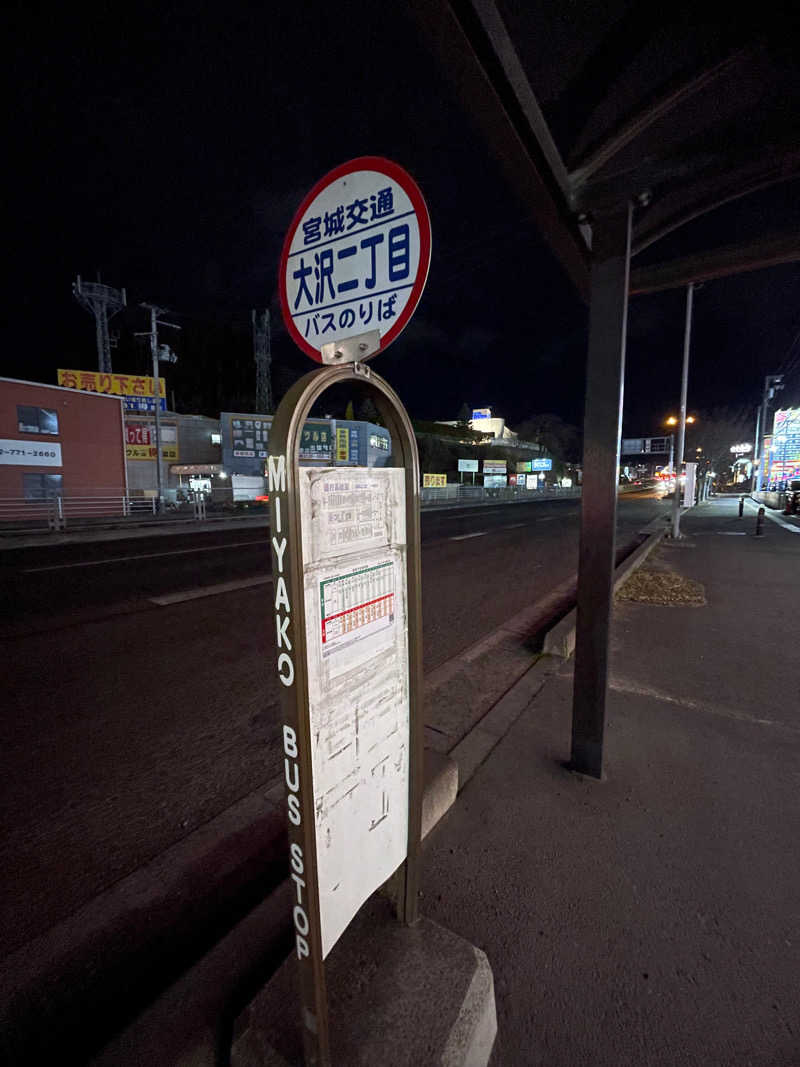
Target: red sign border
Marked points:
412	190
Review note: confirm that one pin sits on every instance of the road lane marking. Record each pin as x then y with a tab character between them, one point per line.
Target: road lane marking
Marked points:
625	685
514	526
547	518
465	537
146	555
210	590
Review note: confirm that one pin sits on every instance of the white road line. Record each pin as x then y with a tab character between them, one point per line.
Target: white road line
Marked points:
624	685
514	526
147	555
210	590
547	518
465	537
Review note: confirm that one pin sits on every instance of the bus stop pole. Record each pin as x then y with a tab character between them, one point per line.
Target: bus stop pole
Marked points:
605	373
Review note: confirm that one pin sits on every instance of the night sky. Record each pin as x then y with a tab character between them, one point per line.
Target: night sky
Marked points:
168	145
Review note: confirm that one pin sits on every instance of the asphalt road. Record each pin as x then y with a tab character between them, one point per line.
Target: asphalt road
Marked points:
131	721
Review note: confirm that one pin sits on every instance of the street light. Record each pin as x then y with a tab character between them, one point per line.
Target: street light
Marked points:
672	420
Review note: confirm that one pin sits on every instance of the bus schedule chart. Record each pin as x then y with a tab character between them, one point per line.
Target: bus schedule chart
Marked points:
356	605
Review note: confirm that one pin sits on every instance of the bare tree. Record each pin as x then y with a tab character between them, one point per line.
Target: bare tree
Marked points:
558	438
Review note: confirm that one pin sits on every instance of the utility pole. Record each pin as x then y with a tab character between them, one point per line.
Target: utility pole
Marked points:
756	452
262	352
166	354
672	453
687	340
103	302
772	383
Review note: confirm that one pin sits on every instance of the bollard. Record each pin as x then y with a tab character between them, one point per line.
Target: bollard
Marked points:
741	506
759	521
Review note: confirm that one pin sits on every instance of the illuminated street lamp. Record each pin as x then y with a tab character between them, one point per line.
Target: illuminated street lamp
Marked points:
673	421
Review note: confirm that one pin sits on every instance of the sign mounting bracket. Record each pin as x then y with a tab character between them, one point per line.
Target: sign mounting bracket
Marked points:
351	349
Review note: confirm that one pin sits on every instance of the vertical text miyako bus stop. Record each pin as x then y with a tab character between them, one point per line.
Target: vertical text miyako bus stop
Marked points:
347	603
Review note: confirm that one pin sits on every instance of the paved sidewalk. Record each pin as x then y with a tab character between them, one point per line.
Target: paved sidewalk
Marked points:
652	918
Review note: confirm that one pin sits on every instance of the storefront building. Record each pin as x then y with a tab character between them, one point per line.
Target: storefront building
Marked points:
186	441
324	442
783	449
59	443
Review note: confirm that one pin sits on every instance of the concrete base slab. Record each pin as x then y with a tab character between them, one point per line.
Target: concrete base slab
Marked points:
396	995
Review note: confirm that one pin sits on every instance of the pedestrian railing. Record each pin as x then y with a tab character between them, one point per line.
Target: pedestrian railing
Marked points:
87	508
91	508
479	494
22	513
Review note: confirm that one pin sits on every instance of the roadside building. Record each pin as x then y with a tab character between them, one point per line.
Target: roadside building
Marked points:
330	442
191	458
494	430
783	451
58	443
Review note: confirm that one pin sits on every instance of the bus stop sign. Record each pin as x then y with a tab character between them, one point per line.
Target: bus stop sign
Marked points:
356	257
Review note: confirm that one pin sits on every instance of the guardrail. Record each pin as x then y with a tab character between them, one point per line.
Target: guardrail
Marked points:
468	494
93	508
88	508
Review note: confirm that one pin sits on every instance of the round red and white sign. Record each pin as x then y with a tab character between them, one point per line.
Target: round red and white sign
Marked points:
356	256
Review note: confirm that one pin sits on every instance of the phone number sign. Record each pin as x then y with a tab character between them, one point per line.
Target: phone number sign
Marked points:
356	256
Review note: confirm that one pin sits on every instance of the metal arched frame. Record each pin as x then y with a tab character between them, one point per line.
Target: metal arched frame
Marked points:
288	563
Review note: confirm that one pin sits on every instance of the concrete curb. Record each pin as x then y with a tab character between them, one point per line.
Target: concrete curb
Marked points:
100	535
473	749
776	518
560	641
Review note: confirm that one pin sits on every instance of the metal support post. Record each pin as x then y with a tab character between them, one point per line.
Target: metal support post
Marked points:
762	463
759	521
605	375
762	455
687	340
741	506
157	392
672	453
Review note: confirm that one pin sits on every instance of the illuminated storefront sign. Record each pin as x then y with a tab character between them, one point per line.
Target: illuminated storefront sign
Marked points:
136	390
